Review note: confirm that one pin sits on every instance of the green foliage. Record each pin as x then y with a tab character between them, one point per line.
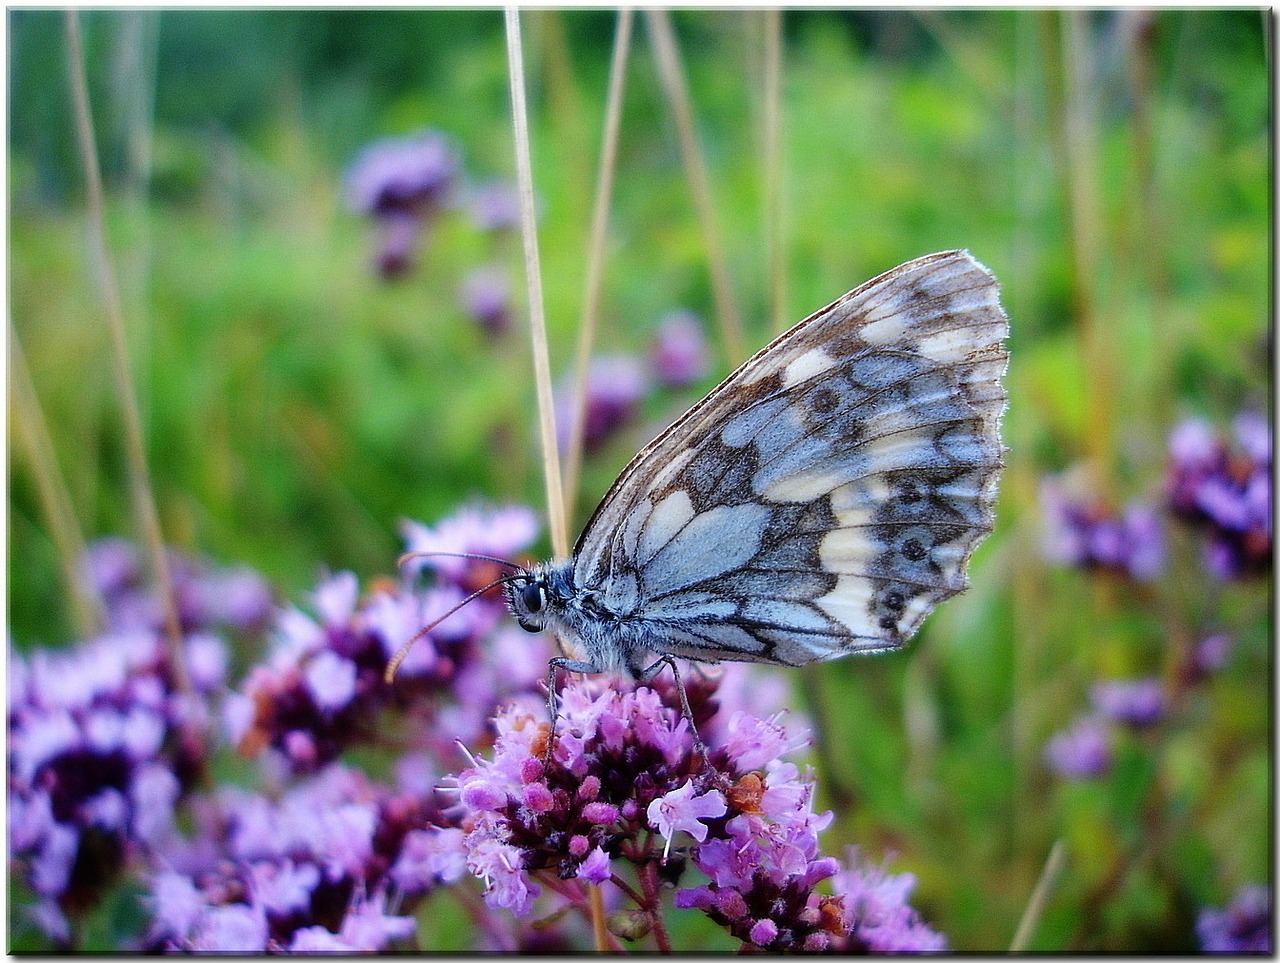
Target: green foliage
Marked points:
296	408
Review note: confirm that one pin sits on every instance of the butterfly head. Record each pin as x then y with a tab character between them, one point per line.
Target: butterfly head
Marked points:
527	598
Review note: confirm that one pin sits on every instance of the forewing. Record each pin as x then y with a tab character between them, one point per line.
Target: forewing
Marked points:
828	494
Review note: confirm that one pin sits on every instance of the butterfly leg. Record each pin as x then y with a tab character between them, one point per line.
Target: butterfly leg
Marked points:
553	704
652	671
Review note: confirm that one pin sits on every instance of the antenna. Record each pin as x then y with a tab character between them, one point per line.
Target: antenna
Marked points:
394	664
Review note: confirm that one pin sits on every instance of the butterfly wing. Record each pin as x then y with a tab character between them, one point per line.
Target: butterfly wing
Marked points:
828	494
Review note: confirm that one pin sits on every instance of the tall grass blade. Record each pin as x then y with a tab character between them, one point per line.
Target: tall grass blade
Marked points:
595	251
140	487
671	72
533	278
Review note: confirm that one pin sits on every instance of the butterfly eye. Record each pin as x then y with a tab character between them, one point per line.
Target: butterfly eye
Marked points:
531	596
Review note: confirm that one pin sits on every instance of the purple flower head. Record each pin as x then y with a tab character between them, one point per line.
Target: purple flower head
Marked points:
1211	653
495	206
101	748
1084	534
679	354
1225	492
616	384
500	532
112	566
321	858
1243	927
622	761
486	297
410	175
877	914
1081	752
1138	702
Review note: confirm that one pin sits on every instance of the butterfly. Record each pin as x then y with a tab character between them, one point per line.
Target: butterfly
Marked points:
819	502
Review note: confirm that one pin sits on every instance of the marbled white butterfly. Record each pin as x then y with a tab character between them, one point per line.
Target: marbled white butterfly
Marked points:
819	502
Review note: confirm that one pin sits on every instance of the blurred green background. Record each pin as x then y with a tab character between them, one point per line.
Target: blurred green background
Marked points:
1112	169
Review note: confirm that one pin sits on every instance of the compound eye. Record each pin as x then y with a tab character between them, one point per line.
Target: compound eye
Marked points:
531	596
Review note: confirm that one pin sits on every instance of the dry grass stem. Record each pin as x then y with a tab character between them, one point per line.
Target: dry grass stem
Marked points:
595	252
33	438
1039	896
773	219
533	278
139	475
673	83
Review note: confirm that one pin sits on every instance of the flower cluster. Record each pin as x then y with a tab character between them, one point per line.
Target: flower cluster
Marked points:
315	870
622	773
1225	491
1083	751
323	688
1085	534
486	298
402	183
101	747
616	384
208	598
1243	927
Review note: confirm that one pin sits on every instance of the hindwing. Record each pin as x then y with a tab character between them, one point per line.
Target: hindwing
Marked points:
828	494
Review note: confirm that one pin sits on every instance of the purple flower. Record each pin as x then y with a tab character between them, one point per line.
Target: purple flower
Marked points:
501	532
682	811
878	915
401	183
495	206
486	297
402	175
1225	493
1085	535
679	354
1138	702
1081	752
331	680
616	384
1243	927
321	858
1211	653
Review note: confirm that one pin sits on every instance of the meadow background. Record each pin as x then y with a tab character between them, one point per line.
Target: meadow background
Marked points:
1111	168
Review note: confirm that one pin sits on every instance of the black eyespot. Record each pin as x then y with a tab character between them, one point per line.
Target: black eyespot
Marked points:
531	596
824	400
894	601
913	550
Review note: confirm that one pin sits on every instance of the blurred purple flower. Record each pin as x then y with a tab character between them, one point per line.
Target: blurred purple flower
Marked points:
101	748
402	175
322	688
495	206
1243	927
1085	535
616	384
877	913
1081	752
1138	702
1225	492
1211	653
680	355
486	297
310	869
401	183
500	532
